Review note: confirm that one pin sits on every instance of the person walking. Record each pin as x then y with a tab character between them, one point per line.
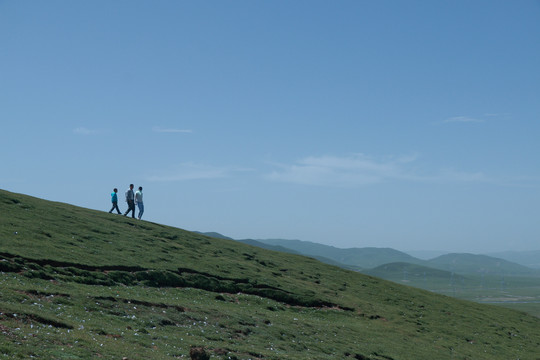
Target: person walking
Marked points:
139	202
130	199
114	200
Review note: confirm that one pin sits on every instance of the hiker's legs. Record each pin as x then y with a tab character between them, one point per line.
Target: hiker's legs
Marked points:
131	207
141	209
115	205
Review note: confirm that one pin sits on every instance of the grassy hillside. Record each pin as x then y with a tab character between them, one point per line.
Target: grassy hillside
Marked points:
279	248
214	235
479	278
81	284
267	246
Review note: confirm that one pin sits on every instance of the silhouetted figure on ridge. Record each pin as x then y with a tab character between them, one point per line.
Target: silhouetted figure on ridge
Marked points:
114	200
139	202
130	199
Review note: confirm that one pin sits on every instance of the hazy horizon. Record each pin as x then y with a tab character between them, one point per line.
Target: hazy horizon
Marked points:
424	254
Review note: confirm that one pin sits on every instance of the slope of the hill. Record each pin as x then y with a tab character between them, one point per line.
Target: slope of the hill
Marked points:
214	235
268	247
291	251
80	284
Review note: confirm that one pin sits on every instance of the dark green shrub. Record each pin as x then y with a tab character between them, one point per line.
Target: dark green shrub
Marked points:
161	278
122	277
8	266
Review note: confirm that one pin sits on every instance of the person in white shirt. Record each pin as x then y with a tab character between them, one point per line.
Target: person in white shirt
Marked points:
139	201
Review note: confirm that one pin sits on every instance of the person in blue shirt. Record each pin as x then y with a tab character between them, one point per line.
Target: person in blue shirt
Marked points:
114	200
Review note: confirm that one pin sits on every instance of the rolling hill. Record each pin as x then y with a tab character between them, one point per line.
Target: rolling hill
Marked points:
530	259
80	284
406	272
479	264
268	247
365	258
280	248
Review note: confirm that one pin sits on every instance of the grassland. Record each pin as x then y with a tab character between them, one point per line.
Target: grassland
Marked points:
479	278
81	284
511	291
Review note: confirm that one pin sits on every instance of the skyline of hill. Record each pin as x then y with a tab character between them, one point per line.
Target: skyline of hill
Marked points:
479	264
406	273
526	258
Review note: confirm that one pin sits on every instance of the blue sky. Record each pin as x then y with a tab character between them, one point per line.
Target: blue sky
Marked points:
404	124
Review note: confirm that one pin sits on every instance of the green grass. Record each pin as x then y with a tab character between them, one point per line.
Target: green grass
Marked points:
80	284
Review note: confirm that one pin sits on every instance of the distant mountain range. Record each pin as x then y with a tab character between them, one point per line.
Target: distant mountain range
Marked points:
361	258
409	273
479	264
370	258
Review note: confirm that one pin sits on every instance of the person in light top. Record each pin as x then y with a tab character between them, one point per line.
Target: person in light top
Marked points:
139	202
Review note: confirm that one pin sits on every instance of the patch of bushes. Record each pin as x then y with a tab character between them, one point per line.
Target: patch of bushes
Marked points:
160	279
8	266
122	277
38	274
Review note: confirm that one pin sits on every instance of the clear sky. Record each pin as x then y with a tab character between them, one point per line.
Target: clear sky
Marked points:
406	124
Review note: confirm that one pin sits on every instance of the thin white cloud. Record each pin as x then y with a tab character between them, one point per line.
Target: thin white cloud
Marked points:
353	170
171	131
462	119
84	131
193	171
360	170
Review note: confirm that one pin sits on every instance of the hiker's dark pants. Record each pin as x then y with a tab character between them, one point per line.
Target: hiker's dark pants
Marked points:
131	207
115	206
